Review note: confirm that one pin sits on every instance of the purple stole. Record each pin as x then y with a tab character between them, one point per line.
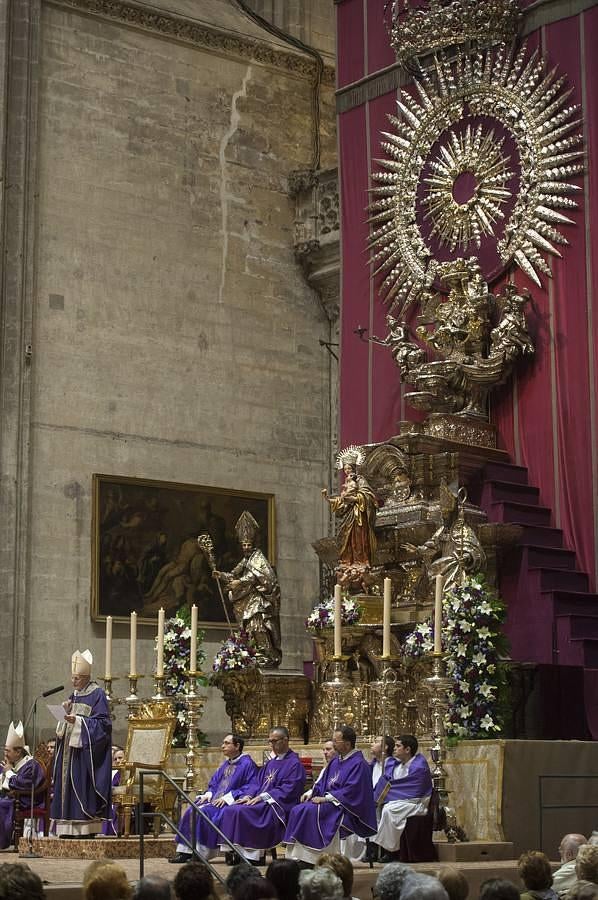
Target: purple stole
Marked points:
417	783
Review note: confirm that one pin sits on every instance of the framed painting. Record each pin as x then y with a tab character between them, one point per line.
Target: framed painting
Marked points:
145	552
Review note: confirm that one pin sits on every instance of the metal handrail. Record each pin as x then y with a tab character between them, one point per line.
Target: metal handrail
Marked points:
195	811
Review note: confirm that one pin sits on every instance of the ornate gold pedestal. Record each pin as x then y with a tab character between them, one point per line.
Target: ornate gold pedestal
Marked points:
257	701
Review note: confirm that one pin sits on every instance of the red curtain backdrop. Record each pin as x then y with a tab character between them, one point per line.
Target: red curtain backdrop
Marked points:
546	416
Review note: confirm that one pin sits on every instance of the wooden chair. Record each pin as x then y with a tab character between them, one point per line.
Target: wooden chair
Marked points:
41	809
149	739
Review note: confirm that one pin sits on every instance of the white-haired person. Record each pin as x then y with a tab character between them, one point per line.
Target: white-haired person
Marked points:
320	884
83	760
565	876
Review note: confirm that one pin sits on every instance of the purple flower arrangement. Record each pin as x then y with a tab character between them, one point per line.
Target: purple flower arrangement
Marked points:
237	652
322	615
472	616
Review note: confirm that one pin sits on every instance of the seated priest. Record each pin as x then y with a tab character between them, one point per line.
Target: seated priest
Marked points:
409	792
342	804
231	781
256	821
82	765
328	752
19	772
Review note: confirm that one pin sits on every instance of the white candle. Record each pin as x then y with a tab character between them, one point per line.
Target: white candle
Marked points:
386	618
160	642
193	654
108	666
438	614
133	651
338	644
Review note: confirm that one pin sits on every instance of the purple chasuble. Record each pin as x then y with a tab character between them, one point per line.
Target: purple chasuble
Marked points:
110	826
83	775
349	782
29	772
417	783
262	826
234	776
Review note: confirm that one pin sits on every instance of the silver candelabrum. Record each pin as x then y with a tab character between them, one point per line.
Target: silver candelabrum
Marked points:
336	689
438	685
386	687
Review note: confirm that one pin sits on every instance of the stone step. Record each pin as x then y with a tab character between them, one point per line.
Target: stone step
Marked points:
573	602
510	491
549	557
542	536
518	513
560	580
474	851
497	471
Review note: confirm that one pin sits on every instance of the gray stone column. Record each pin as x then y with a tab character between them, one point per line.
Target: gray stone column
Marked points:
19	56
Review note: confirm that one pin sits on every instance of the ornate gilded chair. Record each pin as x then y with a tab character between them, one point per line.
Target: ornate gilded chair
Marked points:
148	744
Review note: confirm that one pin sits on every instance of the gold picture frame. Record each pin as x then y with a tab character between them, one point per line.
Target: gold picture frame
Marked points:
144	545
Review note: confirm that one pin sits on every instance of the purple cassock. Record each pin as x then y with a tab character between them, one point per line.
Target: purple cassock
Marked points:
233	779
262	826
348	782
417	782
27	772
83	765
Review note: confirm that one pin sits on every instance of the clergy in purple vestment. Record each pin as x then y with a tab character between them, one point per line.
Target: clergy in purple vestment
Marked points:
82	764
256	821
19	772
110	826
342	804
409	793
229	782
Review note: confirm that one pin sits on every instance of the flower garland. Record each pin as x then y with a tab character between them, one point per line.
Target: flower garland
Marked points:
237	652
322	615
177	656
472	616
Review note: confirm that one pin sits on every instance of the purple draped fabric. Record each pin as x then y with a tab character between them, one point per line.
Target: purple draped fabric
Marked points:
417	783
234	777
83	775
349	782
262	826
30	772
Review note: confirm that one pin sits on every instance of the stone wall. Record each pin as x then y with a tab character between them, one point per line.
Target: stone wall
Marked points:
173	334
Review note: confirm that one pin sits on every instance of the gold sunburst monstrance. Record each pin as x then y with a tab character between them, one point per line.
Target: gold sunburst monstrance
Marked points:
519	101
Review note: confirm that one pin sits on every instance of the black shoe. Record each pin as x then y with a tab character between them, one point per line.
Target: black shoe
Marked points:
180	858
231	858
258	862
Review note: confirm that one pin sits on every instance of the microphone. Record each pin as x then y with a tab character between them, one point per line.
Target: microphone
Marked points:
53	691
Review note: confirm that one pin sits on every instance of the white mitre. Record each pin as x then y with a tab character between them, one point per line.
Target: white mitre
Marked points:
16	736
81	663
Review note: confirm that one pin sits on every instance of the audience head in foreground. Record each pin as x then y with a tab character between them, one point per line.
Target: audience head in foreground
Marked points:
104	879
320	884
498	889
284	875
194	881
390	881
152	887
570	845
536	873
237	876
586	864
454	882
342	868
256	888
423	887
18	882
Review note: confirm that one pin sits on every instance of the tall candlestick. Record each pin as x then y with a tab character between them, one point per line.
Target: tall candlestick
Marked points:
160	642
193	654
133	650
338	644
438	614
386	618
108	666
